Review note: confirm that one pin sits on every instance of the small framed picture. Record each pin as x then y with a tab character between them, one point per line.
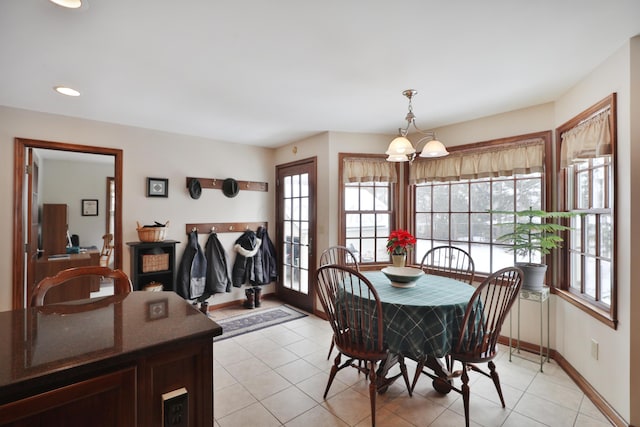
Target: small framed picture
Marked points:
157	309
89	207
157	187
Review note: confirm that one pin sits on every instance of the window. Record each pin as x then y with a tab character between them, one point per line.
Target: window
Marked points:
588	177
453	197
457	214
367	206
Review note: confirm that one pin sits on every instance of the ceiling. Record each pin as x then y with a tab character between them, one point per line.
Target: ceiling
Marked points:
268	73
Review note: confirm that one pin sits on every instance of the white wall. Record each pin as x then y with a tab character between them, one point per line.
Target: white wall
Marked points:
575	329
69	182
147	153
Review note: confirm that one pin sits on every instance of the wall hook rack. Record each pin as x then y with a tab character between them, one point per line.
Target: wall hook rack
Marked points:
223	227
216	183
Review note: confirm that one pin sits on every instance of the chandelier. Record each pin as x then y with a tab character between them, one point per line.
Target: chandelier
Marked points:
402	150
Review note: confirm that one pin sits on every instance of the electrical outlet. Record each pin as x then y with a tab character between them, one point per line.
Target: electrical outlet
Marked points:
175	408
594	349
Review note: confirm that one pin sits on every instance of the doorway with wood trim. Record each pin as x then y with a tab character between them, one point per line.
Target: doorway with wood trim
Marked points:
296	219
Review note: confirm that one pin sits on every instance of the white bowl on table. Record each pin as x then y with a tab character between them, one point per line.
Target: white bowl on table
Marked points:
402	277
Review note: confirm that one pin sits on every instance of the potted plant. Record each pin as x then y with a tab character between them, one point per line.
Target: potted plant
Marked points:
397	245
534	235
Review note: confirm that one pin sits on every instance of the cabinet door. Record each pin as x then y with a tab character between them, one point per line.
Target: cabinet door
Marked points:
54	229
105	401
191	367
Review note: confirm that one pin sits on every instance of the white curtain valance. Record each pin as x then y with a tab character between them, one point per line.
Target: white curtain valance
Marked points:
368	170
525	156
589	139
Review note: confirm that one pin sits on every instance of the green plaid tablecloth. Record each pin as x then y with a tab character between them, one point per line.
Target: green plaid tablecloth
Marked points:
423	320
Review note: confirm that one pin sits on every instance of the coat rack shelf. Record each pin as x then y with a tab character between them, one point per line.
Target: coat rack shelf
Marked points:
224	227
217	184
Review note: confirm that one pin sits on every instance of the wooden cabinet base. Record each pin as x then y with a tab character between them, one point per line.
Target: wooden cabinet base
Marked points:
106	400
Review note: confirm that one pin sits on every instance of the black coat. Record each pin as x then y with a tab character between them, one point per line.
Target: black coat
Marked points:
217	273
192	270
269	260
247	268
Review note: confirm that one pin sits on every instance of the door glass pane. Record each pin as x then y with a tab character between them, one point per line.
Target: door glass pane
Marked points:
304	185
295	186
287	186
304	209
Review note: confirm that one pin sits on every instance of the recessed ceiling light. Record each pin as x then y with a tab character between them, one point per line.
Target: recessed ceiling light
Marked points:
71	4
66	91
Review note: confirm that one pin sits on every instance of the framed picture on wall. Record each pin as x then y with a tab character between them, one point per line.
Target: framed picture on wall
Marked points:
157	187
89	207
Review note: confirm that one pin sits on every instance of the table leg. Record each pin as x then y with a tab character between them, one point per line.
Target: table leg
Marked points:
382	381
441	375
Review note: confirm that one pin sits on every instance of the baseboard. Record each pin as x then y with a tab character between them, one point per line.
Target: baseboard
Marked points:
237	302
603	406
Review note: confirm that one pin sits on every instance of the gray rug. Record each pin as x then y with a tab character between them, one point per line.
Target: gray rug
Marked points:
244	323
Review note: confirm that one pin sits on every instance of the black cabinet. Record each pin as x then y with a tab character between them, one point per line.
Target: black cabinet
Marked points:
153	262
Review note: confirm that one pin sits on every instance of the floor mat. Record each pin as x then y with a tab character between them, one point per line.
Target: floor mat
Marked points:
238	325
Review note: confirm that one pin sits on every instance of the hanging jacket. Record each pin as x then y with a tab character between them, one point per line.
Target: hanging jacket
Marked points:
247	268
218	280
269	259
192	270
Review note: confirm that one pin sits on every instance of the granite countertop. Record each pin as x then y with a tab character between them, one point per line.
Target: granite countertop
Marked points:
58	338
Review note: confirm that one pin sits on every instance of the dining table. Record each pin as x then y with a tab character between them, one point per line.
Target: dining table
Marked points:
421	322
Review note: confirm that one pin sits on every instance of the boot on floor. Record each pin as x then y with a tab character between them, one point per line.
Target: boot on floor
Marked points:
257	292
204	307
250	302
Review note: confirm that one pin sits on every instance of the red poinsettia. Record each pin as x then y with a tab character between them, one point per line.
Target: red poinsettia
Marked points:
399	241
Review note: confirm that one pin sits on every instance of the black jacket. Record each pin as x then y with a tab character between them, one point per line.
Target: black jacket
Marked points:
269	261
217	273
192	270
247	268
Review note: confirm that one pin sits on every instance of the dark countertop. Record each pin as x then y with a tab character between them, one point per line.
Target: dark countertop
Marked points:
69	340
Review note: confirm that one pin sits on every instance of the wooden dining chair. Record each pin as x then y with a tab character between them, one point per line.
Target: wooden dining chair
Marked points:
339	255
107	250
354	311
449	261
480	329
81	275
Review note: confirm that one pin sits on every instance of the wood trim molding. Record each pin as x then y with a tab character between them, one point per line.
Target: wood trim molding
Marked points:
223	227
216	183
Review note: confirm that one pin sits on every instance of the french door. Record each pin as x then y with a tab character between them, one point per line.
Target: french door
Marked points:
296	219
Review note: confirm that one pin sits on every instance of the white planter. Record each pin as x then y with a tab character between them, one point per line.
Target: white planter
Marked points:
533	275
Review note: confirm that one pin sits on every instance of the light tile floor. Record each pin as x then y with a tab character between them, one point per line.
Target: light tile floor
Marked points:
276	377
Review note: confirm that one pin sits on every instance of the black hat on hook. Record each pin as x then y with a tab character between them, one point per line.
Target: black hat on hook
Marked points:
230	187
195	189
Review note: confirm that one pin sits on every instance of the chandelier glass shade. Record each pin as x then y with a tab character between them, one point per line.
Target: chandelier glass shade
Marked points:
402	150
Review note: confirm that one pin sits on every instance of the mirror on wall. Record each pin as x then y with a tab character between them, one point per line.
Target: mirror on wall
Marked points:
67	209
